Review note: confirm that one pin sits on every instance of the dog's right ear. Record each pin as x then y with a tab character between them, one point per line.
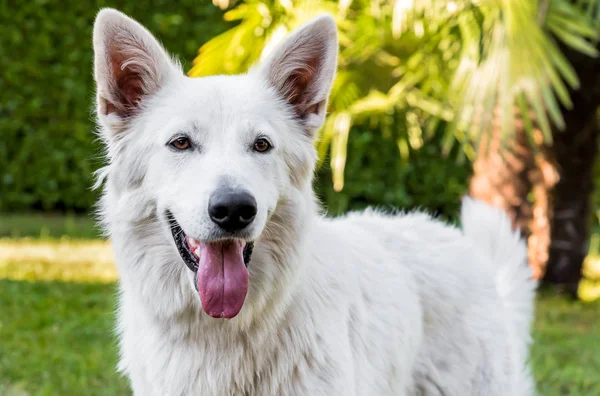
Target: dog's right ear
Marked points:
129	66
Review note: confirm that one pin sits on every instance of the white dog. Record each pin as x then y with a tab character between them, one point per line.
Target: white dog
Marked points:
233	283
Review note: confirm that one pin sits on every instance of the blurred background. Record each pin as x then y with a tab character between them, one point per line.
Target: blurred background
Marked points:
433	100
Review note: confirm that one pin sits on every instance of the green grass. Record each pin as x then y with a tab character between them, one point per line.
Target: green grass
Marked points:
57	339
56	320
566	350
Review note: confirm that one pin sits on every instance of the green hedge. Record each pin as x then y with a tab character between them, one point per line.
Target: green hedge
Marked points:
48	151
375	176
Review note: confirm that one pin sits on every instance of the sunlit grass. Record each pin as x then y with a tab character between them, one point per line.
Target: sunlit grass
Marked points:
64	260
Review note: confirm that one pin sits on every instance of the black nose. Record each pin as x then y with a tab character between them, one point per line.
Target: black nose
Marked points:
232	210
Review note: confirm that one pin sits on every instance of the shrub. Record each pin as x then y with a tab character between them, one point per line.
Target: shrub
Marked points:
375	176
47	149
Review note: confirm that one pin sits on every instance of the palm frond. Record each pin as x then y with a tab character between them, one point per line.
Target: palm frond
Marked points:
408	65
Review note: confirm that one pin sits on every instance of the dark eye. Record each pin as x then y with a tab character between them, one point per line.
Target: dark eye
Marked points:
262	145
180	143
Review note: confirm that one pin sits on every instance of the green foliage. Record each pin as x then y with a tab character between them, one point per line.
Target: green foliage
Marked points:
375	177
47	147
48	151
402	77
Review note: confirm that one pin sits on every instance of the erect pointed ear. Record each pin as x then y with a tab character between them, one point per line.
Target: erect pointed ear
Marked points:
302	69
129	64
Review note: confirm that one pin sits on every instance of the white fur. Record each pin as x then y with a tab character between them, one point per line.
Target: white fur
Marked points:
368	304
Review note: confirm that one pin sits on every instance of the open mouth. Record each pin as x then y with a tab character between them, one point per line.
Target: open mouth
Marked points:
219	267
182	241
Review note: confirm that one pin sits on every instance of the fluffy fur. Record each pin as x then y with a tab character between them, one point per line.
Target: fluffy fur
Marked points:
368	304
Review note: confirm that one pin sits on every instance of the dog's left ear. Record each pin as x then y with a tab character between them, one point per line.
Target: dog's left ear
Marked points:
302	68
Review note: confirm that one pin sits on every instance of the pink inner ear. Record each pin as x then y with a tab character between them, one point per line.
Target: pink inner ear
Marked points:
128	87
297	89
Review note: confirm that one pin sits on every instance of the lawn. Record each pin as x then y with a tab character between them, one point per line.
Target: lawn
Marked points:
57	339
566	349
47	226
56	324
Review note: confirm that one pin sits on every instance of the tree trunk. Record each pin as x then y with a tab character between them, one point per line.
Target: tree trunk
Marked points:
575	150
518	180
556	223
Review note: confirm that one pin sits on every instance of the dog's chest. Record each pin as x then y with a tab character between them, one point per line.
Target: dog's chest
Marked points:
285	361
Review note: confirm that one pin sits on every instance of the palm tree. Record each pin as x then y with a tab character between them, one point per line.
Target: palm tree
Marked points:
500	78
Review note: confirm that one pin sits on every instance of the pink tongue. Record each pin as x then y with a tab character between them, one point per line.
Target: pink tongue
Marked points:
222	278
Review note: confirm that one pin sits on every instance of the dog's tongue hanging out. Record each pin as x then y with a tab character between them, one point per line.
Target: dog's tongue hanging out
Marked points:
222	277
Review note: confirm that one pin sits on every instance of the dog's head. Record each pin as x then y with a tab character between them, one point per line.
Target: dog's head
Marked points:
215	155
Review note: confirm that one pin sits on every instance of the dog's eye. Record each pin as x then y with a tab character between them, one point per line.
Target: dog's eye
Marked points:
262	145
180	143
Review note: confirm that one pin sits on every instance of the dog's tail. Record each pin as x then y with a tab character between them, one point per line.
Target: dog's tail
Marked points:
491	231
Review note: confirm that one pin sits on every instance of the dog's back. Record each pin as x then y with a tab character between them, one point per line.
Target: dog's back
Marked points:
476	296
